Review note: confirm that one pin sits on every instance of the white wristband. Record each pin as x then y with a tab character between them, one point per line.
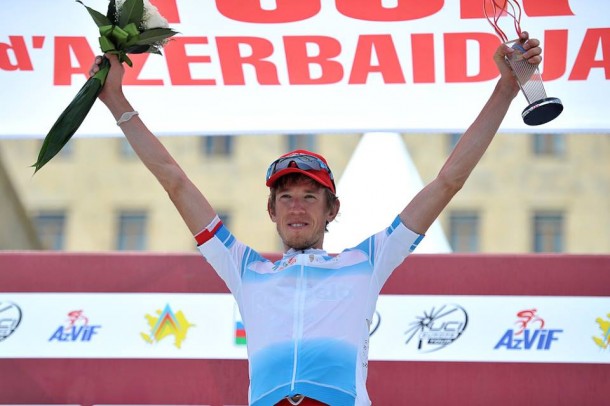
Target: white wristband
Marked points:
125	117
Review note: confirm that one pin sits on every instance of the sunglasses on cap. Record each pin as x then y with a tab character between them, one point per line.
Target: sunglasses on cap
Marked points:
304	162
301	161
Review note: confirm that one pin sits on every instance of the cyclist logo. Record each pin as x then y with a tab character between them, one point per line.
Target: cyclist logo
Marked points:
76	328
529	333
76	316
603	342
528	318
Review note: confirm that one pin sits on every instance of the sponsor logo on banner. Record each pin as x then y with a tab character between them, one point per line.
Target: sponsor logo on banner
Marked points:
437	328
167	323
240	329
603	340
374	323
77	328
529	333
10	318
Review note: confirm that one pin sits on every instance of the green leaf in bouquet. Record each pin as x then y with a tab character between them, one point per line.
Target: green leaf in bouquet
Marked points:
152	36
72	117
106	45
132	30
138	49
98	17
111	14
132	11
124	58
118	36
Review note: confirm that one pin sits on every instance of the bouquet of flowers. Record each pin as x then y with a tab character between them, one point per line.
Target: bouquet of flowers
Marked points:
129	27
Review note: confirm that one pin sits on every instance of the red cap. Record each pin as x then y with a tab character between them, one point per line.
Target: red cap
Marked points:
323	177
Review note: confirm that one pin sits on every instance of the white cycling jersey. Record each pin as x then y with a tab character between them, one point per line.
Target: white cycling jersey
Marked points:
307	315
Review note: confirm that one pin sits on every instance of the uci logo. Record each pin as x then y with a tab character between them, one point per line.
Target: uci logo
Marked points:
10	318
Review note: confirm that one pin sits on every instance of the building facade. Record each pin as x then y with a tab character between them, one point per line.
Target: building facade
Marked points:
530	193
17	231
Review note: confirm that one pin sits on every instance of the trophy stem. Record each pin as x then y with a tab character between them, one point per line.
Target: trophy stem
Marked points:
541	109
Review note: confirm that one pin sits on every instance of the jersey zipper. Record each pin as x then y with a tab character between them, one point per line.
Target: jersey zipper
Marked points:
298	321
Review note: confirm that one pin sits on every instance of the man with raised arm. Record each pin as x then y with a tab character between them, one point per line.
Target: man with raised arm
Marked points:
307	315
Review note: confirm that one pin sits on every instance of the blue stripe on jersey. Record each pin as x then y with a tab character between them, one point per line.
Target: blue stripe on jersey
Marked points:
394	225
246	261
225	236
416	243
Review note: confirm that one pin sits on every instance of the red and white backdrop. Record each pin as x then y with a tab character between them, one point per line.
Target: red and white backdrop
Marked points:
161	329
264	66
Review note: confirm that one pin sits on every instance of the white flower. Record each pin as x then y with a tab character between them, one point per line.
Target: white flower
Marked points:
151	18
119	4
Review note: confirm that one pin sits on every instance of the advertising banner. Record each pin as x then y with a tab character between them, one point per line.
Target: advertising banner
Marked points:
208	326
141	328
279	66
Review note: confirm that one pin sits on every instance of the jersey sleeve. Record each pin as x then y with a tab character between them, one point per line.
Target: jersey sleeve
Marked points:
389	248
228	256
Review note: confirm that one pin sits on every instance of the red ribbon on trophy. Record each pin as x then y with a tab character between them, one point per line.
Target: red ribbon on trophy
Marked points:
541	108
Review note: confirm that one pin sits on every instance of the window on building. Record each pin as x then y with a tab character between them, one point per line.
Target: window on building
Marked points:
548	144
217	145
50	226
548	232
66	152
464	231
131	234
225	217
301	141
452	140
125	149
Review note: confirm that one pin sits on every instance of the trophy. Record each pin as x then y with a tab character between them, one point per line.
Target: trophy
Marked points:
541	109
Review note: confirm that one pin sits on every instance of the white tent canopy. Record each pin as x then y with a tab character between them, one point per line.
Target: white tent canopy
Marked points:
379	180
